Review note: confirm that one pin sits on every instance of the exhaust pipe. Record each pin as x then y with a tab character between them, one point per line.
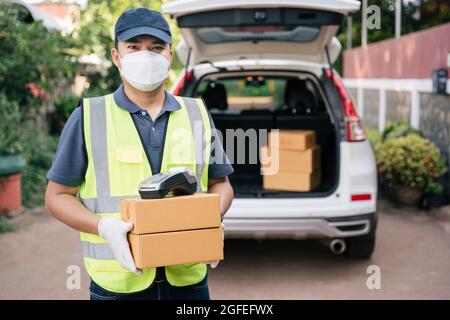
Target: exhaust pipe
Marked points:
337	246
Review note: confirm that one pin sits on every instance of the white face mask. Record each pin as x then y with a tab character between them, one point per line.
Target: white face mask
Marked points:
144	70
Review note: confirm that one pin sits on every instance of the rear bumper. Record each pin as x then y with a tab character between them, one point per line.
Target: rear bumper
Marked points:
300	228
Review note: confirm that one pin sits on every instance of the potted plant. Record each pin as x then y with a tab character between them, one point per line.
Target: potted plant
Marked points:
410	165
11	159
393	130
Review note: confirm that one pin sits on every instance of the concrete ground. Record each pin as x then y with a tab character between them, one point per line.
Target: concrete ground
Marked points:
413	253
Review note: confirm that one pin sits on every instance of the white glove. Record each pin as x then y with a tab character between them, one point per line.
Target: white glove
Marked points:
115	232
214	264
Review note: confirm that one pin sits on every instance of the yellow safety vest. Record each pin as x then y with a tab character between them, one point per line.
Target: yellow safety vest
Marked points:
117	163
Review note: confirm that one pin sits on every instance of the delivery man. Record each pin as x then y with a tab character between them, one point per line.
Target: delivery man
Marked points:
111	143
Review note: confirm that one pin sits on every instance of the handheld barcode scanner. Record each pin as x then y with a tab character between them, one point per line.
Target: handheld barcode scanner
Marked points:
159	185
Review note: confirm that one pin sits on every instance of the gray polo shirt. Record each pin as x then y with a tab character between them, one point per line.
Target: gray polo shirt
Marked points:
70	162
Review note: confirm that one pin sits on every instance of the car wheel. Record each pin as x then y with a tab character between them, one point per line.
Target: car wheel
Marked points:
361	247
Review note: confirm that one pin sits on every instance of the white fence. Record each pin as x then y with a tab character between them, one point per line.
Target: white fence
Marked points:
412	86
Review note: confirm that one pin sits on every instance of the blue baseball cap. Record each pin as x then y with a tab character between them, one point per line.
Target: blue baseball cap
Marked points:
142	21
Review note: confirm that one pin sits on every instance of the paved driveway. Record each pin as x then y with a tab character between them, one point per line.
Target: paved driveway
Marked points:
413	254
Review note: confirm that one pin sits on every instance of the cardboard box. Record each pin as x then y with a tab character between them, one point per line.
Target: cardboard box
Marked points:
297	140
306	161
174	230
172	248
292	181
198	211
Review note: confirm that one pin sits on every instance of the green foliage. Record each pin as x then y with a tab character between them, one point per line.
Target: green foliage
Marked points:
398	129
33	60
5	226
411	161
64	107
102	84
436	188
11	141
39	152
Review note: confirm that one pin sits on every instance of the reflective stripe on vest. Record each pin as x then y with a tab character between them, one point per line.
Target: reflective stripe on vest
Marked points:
116	166
198	127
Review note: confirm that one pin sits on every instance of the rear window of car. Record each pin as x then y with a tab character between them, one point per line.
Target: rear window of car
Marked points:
258	33
252	91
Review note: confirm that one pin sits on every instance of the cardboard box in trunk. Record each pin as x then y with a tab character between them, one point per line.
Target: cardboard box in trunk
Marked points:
306	161
174	230
180	247
297	140
292	181
197	211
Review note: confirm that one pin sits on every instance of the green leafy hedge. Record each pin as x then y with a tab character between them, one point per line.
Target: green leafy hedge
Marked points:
33	62
33	59
398	129
39	152
11	133
411	161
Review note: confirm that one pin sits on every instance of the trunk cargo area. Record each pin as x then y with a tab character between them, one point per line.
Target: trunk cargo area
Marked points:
264	100
247	179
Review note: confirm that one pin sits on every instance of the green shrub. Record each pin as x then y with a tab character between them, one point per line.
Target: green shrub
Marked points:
64	107
18	135
33	59
411	161
398	129
33	62
39	152
5	226
11	141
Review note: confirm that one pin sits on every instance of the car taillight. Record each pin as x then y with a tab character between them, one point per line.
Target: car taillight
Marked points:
355	130
186	76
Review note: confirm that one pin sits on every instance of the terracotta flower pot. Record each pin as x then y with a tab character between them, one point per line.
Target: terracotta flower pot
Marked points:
10	194
10	186
406	196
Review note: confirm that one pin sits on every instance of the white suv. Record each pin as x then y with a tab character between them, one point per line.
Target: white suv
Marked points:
266	65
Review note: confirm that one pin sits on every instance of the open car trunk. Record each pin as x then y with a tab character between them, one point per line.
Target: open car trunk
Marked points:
216	31
296	103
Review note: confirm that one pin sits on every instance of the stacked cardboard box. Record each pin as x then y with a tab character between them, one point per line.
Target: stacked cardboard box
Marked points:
174	230
298	158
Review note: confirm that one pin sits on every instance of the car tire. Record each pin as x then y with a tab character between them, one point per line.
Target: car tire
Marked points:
361	247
